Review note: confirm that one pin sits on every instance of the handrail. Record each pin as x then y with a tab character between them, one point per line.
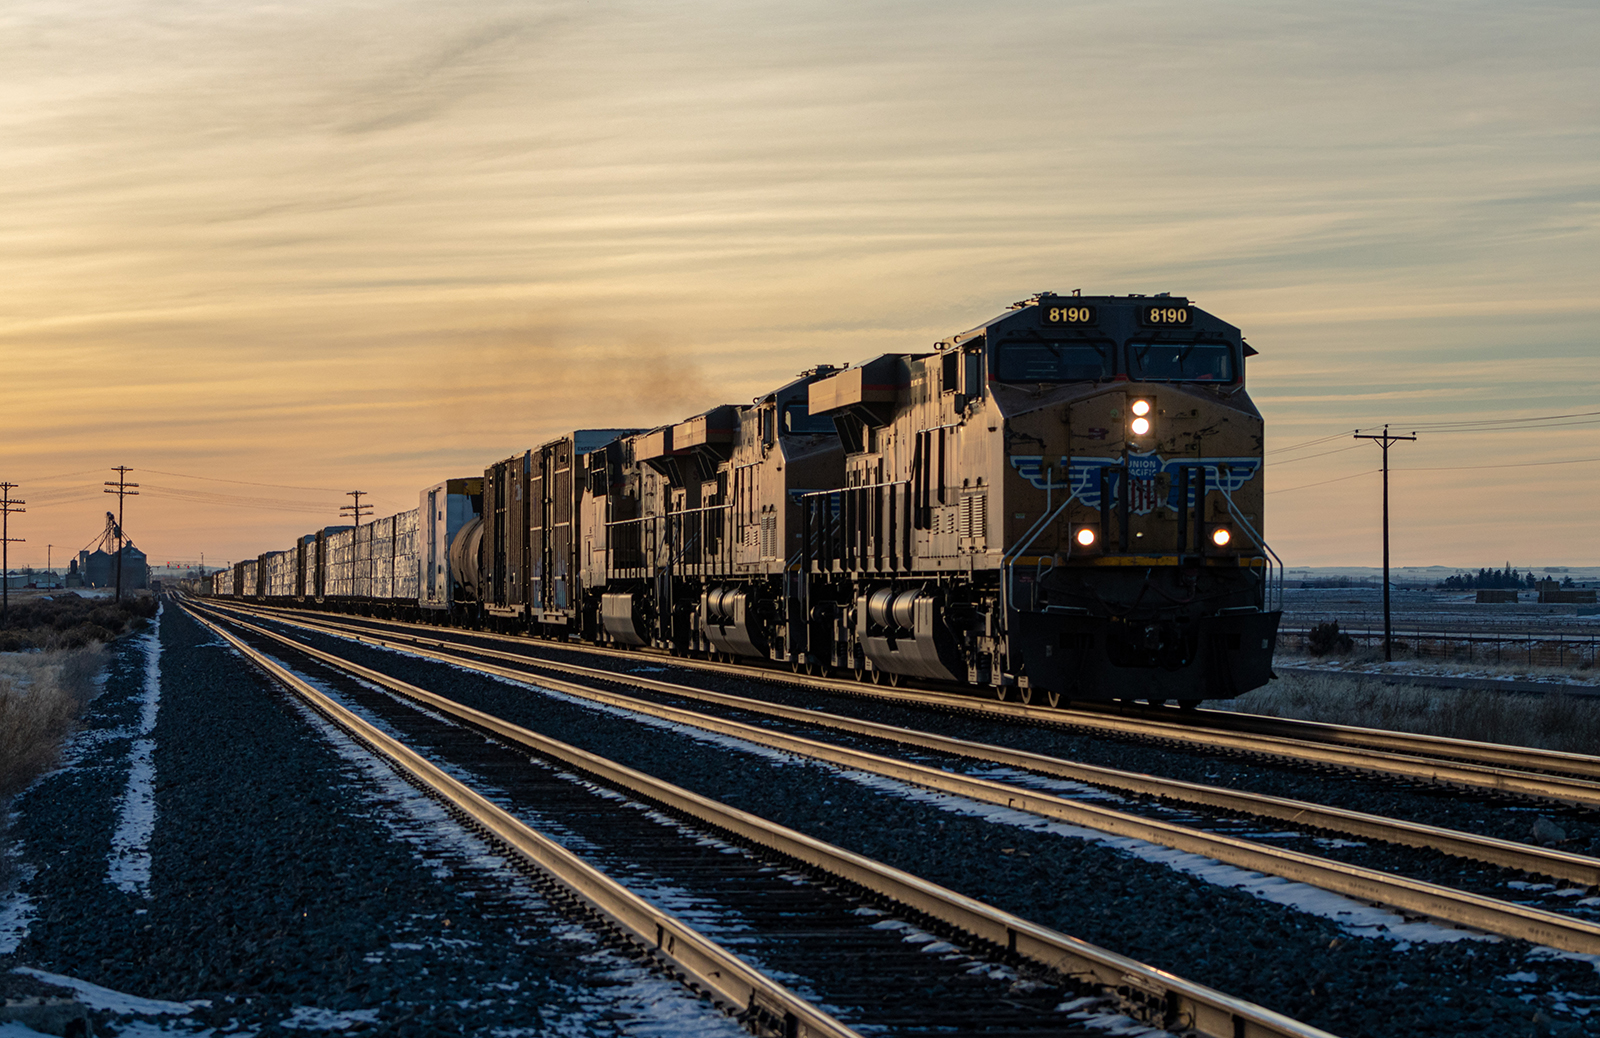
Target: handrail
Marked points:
1239	518
668	515
1008	561
862	486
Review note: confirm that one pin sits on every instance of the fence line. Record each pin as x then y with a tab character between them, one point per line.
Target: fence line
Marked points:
1529	647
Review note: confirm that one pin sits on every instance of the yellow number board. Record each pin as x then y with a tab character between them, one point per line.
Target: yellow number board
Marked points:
1175	316
1068	314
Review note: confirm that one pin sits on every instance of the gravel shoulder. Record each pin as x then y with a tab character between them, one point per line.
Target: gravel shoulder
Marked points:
289	887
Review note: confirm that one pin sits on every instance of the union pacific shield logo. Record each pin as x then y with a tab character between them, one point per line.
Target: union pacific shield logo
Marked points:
1082	477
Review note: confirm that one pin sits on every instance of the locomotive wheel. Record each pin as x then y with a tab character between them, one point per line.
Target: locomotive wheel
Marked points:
1188	704
1001	692
1024	696
896	680
1052	699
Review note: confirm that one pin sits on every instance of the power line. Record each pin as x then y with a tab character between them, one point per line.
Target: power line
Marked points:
1472	424
243	482
1508	465
85	494
1548	421
62	475
1308	457
1309	443
1325	482
239	500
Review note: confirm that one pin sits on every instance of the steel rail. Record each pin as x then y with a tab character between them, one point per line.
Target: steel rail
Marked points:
757	998
1111	718
1564	865
1580	765
1409	895
1503	780
1154	994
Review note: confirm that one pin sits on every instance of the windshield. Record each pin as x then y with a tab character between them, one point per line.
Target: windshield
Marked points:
1053	361
1181	361
799	421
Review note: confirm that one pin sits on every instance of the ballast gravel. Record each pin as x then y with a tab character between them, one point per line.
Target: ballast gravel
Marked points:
1300	964
290	890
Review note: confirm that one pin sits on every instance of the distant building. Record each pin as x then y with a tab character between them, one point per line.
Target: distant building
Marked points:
1550	592
99	568
41	578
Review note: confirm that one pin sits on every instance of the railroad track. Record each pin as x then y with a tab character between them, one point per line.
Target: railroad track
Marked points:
846	900
1524	771
1463	908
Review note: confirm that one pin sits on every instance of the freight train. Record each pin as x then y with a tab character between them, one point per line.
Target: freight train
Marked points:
1062	503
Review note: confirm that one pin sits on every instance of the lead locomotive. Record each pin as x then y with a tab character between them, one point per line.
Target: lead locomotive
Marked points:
1064	502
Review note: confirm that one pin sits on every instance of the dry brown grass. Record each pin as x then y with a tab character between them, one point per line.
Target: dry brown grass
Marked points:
41	694
66	620
1552	722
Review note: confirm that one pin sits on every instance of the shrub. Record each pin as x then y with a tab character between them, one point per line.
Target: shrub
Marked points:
66	620
1325	638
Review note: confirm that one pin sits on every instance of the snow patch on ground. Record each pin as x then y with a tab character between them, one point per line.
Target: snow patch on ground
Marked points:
17	910
310	1018
1542	954
96	997
129	857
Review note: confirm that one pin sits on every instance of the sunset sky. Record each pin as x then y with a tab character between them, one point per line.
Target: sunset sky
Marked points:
267	253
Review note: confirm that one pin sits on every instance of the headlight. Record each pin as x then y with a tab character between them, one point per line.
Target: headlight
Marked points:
1140	426
1085	536
1220	537
1141	407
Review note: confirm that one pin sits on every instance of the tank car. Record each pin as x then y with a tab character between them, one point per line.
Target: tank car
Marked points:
517	562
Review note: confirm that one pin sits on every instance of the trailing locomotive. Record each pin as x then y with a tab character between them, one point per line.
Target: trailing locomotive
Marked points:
1064	502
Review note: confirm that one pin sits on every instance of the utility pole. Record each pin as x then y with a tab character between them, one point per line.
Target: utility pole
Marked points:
7	507
122	488
358	509
1386	441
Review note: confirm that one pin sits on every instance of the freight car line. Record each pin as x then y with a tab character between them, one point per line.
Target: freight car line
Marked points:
1421	758
712	967
1151	994
1458	907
